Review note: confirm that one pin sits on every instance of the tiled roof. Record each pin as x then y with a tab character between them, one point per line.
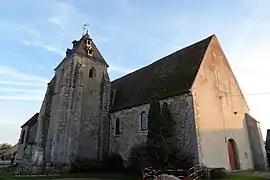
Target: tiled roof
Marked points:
31	121
169	76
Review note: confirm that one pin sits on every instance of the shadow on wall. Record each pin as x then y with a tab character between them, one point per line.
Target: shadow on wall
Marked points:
256	142
267	146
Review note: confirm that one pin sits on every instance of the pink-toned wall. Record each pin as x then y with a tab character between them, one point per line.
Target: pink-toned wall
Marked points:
220	111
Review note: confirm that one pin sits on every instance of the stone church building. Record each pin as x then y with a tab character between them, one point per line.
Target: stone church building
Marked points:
85	114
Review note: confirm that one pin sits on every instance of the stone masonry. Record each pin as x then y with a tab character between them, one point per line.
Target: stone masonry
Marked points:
182	111
74	116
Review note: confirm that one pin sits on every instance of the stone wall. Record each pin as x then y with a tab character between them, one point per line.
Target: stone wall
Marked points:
220	109
43	125
94	108
182	111
79	106
256	143
21	146
25	150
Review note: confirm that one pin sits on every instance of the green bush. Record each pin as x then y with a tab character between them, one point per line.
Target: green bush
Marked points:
84	165
113	163
183	161
138	158
217	173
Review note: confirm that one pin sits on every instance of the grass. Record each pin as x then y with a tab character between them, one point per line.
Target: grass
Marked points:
6	174
242	176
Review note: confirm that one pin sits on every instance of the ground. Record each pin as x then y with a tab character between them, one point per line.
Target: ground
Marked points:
6	174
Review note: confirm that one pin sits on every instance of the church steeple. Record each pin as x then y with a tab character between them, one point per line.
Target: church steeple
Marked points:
86	47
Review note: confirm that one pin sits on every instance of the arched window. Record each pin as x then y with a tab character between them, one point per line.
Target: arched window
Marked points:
92	72
144	121
90	52
117	126
22	137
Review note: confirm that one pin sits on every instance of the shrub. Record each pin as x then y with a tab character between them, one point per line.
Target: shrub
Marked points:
113	163
138	158
84	165
183	161
217	173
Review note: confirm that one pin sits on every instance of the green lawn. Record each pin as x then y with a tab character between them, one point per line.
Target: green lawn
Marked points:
241	176
6	174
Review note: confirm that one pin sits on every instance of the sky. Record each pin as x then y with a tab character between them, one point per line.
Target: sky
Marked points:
130	34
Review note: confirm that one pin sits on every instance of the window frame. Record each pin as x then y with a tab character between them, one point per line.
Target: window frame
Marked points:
117	126
92	73
145	120
22	137
88	51
88	42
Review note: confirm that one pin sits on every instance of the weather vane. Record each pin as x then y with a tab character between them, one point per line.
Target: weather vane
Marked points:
85	28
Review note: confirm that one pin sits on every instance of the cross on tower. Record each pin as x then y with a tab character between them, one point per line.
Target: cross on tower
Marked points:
85	28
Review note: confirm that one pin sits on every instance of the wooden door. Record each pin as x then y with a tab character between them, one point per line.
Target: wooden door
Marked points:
232	155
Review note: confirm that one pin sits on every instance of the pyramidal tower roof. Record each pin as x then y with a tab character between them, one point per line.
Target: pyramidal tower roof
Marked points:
82	48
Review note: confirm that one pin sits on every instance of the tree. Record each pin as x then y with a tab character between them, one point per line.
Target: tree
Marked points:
154	138
5	146
168	134
162	151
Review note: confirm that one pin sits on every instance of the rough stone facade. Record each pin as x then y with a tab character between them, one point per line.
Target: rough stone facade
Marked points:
182	111
43	124
74	117
74	110
27	141
256	143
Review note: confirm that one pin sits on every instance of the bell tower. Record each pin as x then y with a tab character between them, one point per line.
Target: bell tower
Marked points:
79	121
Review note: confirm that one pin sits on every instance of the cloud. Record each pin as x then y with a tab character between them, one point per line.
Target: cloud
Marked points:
21	90
18	83
121	70
11	78
56	21
57	24
22	98
13	73
47	47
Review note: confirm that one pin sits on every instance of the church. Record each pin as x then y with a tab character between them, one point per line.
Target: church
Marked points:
85	114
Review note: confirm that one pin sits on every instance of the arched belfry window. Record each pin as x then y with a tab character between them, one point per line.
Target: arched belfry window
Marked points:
22	137
92	72
144	121
117	126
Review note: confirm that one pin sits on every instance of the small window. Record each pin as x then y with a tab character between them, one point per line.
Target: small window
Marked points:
88	42
117	126
144	121
22	137
92	72
90	52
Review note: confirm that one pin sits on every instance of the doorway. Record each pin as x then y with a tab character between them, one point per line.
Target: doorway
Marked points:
233	154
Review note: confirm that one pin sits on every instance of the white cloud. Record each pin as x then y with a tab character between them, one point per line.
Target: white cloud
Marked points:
18	83
8	89
8	72
11	81
56	21
22	98
121	70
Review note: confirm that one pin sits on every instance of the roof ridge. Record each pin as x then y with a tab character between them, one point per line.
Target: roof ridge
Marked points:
166	56
169	76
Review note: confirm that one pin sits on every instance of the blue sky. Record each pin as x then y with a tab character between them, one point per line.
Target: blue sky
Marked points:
130	34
